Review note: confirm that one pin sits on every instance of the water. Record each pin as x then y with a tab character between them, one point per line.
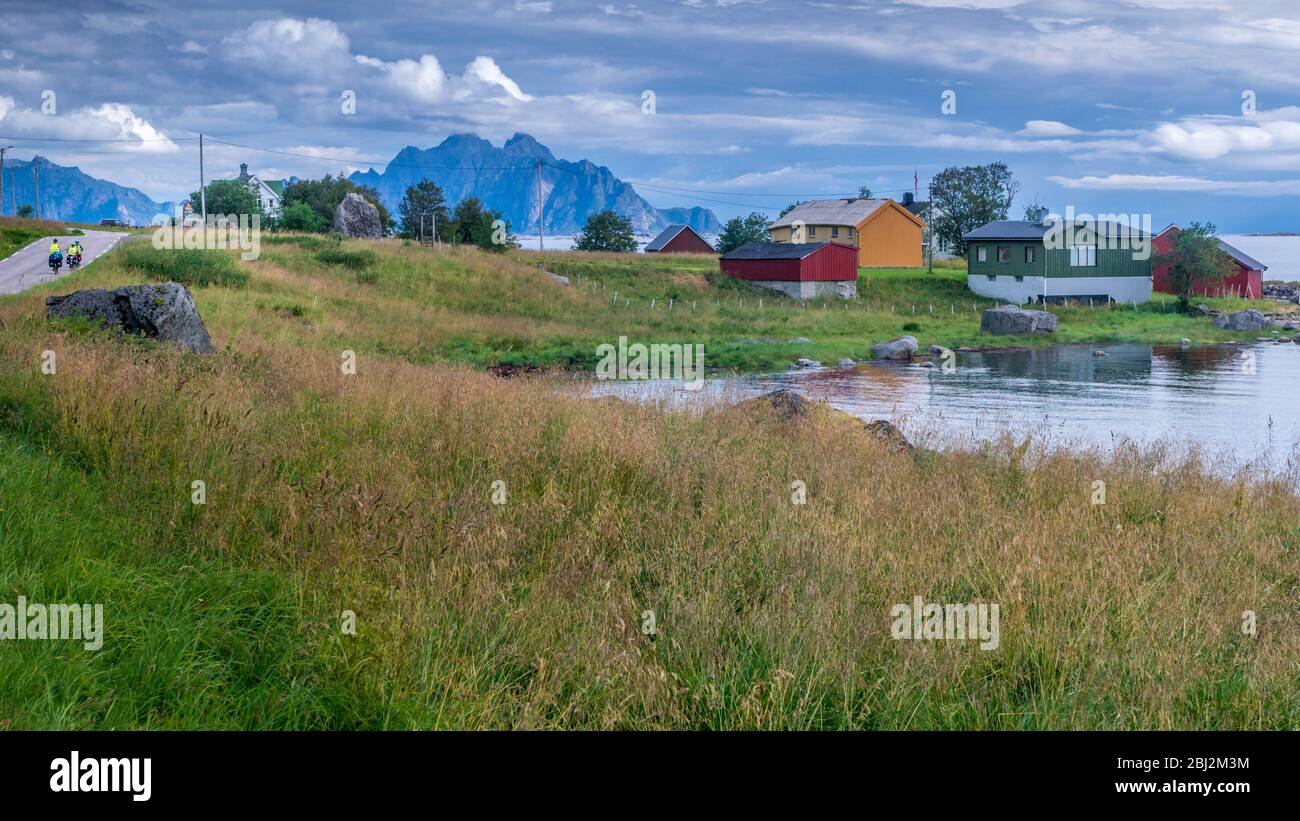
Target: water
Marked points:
1238	404
1280	254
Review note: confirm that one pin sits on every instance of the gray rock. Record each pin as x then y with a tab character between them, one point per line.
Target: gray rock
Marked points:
800	340
1011	320
1203	309
557	278
888	433
357	218
900	347
1248	320
804	362
784	403
1100	353
846	363
164	312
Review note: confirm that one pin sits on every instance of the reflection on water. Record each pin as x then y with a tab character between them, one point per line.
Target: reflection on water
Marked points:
1238	403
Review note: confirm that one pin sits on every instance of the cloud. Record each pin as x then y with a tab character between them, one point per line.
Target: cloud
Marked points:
109	122
1153	182
1048	128
486	69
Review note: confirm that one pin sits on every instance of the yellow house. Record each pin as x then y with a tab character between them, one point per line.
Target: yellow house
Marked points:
885	233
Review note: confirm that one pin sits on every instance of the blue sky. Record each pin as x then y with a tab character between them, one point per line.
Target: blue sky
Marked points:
1108	107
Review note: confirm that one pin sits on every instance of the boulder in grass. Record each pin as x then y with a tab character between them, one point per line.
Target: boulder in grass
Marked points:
1249	320
900	347
357	218
1012	320
165	312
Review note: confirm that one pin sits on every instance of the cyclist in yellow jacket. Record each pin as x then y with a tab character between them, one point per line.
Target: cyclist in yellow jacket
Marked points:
54	247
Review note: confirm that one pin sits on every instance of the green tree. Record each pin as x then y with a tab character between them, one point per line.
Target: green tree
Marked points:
1194	258
738	231
421	201
472	224
227	197
298	216
864	192
325	194
966	198
606	231
26	210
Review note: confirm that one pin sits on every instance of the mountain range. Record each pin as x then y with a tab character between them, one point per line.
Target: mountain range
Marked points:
68	193
505	179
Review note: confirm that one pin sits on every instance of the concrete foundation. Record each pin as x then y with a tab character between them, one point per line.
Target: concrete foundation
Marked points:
844	289
1030	289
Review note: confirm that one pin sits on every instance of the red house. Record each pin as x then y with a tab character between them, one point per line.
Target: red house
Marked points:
803	270
679	239
1246	279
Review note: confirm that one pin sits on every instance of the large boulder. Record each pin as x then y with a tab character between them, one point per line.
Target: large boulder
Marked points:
1012	320
164	312
900	347
1248	320
357	218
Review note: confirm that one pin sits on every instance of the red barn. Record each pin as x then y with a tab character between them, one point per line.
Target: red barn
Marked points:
803	270
1246	279
679	239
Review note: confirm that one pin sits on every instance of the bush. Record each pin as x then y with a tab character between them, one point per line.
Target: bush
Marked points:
356	260
188	266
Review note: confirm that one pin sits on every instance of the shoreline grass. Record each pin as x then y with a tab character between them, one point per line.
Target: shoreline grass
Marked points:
372	493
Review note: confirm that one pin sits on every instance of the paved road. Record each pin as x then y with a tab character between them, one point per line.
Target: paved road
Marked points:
31	265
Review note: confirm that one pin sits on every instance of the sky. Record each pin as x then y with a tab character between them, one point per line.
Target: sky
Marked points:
1181	109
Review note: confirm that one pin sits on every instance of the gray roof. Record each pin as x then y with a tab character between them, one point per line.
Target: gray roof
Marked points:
1027	230
831	212
775	250
1242	257
665	236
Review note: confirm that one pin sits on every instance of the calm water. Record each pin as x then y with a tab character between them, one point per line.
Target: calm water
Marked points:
1239	403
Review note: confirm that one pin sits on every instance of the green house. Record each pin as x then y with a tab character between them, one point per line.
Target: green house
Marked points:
1049	260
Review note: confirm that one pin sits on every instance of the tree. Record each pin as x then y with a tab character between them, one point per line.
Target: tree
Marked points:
1033	209
422	200
791	207
606	231
26	210
325	194
472	224
298	216
738	231
230	197
1194	258
966	198
864	192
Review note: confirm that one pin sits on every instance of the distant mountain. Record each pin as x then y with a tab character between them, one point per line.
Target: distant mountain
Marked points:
505	179
68	193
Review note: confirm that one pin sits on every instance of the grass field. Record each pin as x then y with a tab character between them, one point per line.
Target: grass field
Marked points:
17	233
373	494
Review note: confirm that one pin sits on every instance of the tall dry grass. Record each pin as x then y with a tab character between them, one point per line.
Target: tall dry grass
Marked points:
372	493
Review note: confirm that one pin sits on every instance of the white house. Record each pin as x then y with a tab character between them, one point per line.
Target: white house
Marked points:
269	192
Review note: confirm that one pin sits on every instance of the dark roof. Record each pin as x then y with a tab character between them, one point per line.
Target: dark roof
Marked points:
776	250
665	236
1024	229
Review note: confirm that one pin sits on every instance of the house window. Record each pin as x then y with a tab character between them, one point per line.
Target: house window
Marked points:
1030	253
835	231
1083	256
982	254
1020	279
812	230
1004	253
992	277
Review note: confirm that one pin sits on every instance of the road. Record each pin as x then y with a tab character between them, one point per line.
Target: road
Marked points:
31	265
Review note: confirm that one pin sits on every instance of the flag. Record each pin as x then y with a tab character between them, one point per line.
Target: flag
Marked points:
916	185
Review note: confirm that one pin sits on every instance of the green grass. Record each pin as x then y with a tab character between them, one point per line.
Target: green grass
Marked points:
188	266
371	493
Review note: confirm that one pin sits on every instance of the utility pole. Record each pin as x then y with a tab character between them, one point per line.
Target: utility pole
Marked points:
36	170
541	207
3	149
203	194
929	219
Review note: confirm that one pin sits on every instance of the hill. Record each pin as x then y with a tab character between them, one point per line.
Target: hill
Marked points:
68	193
